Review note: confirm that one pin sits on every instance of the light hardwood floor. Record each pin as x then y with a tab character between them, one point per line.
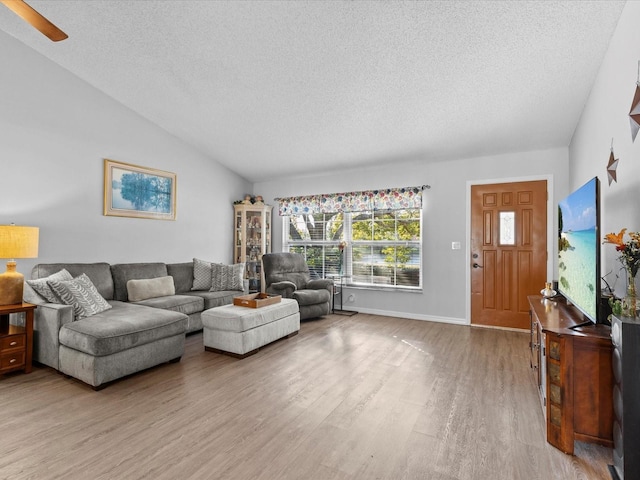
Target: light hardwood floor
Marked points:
362	397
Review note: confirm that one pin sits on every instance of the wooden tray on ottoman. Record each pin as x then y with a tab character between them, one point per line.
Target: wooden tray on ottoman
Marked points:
256	300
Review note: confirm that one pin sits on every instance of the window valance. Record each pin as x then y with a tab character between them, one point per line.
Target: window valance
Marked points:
384	199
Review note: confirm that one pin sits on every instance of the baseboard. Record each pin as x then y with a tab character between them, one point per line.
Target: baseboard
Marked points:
413	316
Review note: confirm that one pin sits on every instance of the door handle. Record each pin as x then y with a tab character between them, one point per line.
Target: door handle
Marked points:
475	265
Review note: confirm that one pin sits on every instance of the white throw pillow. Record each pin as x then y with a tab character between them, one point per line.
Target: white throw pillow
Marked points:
143	289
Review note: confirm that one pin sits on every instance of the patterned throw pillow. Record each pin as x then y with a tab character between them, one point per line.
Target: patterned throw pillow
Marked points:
82	295
227	277
42	288
201	275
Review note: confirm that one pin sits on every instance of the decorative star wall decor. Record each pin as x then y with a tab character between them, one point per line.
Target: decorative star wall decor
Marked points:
612	166
634	114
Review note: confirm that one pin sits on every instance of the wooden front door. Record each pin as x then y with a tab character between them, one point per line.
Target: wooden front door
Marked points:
508	251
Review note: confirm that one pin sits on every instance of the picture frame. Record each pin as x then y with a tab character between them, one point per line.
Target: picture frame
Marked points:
138	192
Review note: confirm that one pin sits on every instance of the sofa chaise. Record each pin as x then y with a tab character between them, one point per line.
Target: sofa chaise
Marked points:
148	308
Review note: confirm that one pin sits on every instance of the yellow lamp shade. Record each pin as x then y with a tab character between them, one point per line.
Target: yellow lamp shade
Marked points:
18	242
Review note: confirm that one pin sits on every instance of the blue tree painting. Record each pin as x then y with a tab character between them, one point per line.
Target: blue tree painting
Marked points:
142	192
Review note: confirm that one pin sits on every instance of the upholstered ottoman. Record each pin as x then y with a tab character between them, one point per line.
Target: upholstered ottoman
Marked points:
241	331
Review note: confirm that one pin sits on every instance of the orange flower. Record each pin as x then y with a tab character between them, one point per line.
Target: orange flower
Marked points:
615	239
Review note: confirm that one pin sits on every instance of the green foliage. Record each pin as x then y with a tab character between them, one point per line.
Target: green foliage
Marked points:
616	306
560	222
563	244
383	226
322	230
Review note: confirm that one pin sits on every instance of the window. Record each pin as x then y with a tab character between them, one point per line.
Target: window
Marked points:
383	248
317	237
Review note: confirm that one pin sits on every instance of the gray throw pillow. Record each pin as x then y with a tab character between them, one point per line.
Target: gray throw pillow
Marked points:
82	295
201	275
142	289
227	277
42	288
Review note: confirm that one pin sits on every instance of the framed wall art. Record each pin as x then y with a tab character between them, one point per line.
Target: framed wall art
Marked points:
139	192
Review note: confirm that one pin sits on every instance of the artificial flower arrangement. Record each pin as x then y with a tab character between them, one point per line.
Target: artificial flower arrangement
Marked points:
630	259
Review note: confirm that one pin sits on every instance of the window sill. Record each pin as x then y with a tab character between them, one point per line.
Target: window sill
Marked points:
380	288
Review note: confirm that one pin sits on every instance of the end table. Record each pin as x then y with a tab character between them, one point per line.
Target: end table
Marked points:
16	342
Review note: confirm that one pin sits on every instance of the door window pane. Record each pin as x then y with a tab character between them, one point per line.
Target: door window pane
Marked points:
507	228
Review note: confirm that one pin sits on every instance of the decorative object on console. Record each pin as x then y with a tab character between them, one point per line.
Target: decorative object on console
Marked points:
630	259
547	291
15	242
139	192
612	166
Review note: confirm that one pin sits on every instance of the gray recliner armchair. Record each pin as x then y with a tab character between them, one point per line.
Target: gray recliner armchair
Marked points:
287	274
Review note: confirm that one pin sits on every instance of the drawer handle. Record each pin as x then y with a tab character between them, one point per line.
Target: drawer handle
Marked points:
13	343
13	360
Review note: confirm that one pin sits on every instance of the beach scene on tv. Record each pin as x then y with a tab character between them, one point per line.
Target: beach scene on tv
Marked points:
577	247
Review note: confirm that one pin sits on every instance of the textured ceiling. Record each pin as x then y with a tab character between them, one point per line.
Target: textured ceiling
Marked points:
273	88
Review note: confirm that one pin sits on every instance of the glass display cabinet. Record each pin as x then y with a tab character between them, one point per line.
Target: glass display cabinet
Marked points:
252	239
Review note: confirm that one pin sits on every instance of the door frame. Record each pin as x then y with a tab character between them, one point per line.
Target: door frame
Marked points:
551	221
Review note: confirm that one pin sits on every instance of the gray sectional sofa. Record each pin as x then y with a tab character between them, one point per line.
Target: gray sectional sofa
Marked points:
129	336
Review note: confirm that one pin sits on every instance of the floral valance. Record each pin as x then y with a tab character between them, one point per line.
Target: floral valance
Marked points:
385	199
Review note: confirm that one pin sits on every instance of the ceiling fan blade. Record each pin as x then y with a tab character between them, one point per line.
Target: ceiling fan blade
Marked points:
27	13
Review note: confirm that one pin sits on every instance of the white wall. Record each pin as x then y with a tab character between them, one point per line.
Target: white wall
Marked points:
445	281
605	117
55	131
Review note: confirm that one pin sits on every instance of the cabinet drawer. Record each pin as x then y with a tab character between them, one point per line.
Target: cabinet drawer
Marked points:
12	360
555	394
553	370
555	415
13	341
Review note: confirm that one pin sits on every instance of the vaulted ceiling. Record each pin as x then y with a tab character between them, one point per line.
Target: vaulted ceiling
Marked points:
271	88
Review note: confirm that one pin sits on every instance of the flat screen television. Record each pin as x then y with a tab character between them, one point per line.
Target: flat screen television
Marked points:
579	249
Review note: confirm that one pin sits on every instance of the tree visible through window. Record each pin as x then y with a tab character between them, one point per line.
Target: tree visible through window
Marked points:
383	247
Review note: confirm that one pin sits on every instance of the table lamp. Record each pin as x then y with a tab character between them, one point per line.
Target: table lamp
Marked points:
15	242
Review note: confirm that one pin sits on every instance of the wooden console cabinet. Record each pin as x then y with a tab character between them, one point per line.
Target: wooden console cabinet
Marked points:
573	371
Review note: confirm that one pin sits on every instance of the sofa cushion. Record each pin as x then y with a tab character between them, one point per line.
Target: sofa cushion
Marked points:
311	297
216	299
43	289
122	327
150	288
124	272
81	294
98	273
182	274
186	304
227	277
